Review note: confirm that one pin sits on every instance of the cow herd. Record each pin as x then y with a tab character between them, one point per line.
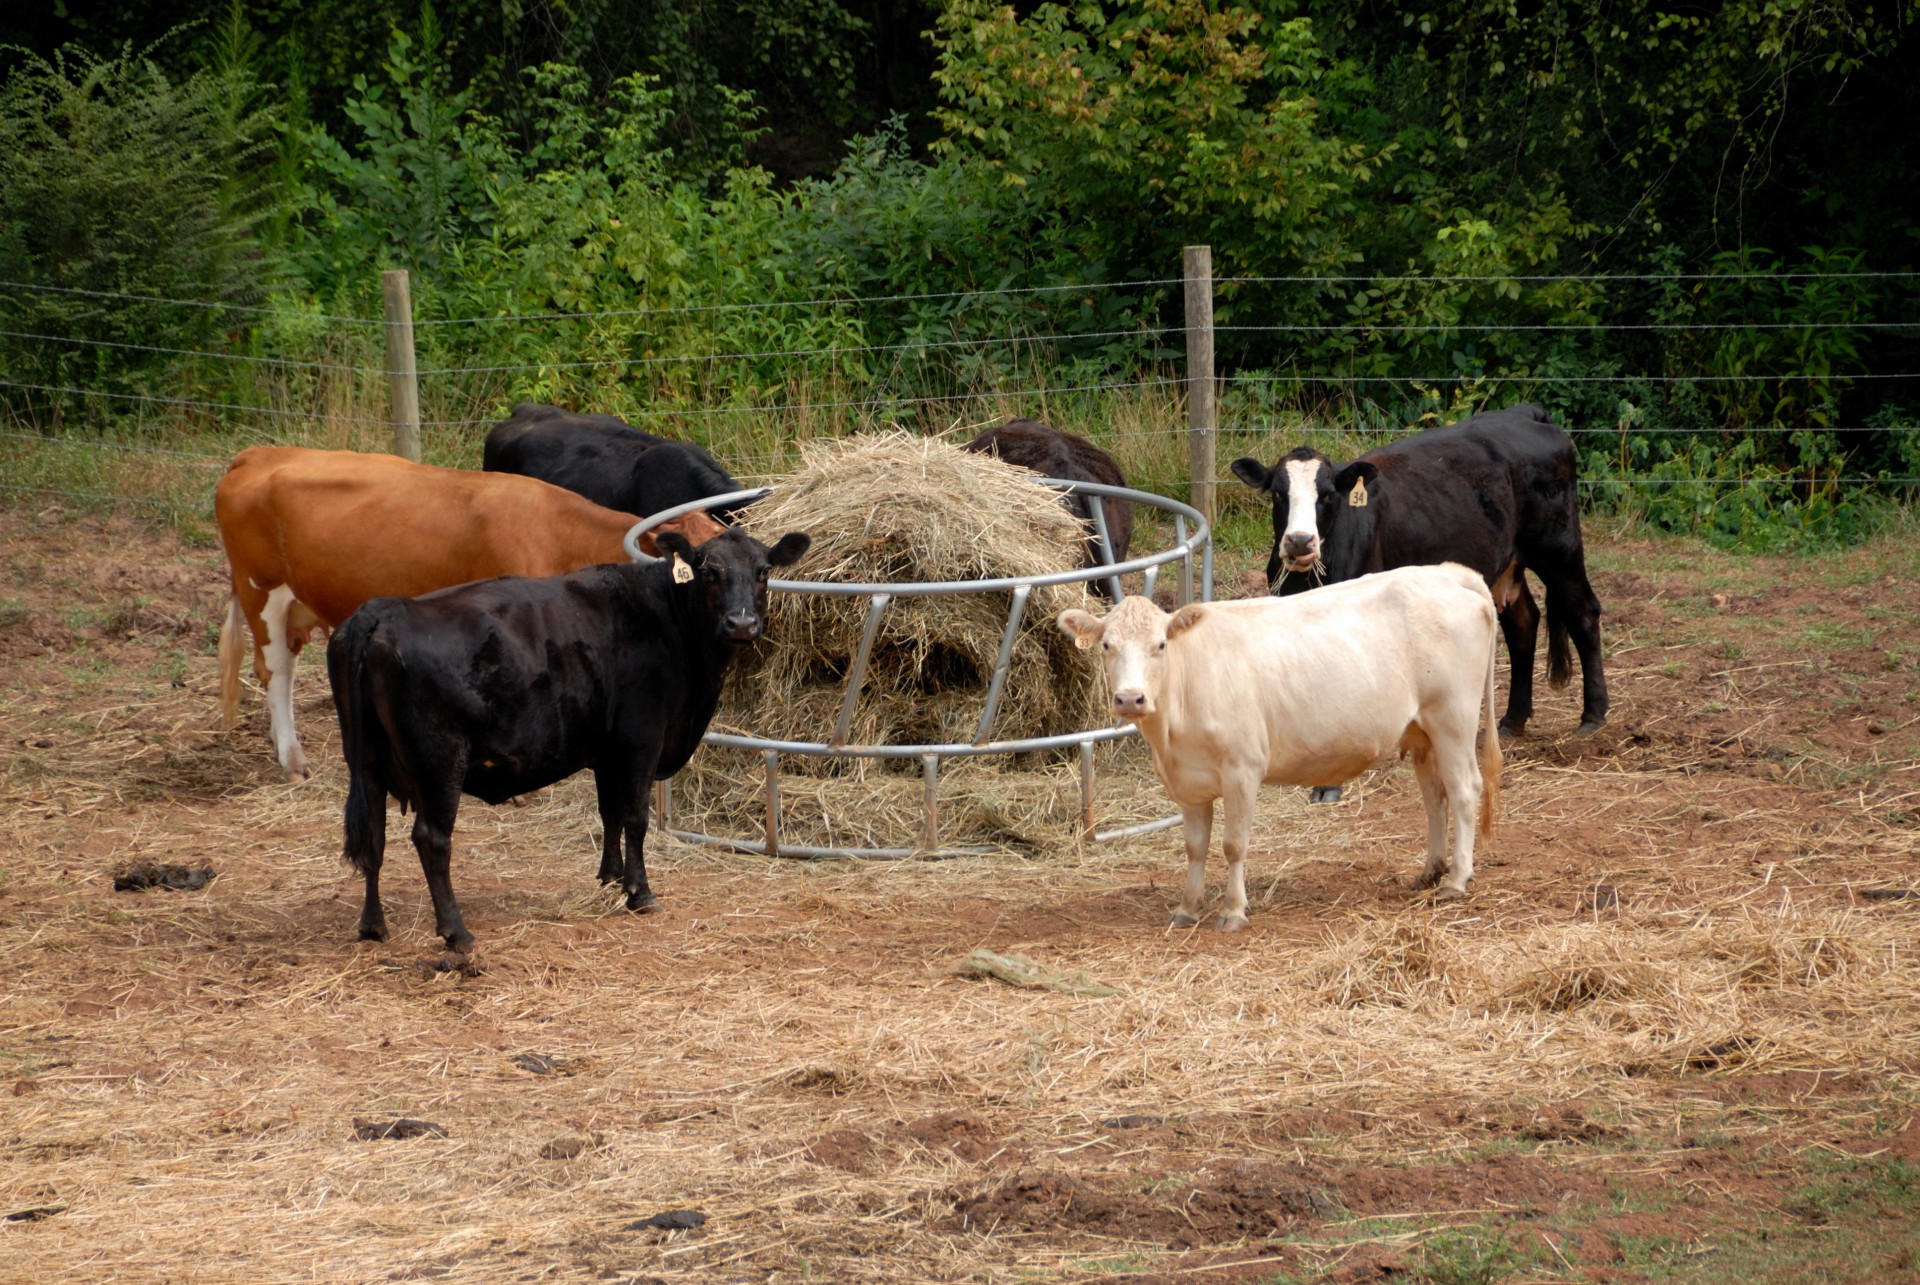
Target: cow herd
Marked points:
493	632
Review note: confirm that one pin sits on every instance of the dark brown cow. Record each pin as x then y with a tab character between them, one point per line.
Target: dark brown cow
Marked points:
1052	453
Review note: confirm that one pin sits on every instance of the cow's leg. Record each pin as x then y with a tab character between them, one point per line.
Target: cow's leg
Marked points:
1324	794
1236	806
1433	793
613	817
1520	625
1459	772
282	649
433	838
1571	604
1196	825
624	795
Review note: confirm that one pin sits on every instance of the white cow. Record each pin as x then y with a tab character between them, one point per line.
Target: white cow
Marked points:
1310	690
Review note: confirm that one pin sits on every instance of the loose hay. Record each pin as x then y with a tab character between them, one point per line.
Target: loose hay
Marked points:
167	1056
896	509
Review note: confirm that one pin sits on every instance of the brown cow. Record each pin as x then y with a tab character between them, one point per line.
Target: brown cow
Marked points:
310	535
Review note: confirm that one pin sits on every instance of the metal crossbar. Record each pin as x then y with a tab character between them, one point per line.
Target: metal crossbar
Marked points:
879	597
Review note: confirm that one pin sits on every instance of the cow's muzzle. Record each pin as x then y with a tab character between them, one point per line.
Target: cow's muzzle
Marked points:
741	627
1131	702
1299	552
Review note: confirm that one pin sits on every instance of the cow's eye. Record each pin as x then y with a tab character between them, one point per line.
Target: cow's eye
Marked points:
1106	646
1163	645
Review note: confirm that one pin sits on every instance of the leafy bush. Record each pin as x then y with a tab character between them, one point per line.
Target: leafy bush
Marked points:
122	189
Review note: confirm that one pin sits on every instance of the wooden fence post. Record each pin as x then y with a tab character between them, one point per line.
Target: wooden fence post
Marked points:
402	380
1203	419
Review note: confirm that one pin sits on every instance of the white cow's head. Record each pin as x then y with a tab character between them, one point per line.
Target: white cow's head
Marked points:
1133	646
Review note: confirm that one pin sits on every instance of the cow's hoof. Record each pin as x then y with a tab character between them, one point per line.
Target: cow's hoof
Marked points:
298	773
641	903
1324	794
1232	923
1512	729
1181	919
1424	880
1447	892
373	932
1590	726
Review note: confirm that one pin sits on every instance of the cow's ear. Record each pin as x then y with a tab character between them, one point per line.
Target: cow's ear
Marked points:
673	545
1253	473
1184	619
1358	473
1083	627
790	549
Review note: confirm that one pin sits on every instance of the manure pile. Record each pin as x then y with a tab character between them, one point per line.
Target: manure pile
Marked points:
894	508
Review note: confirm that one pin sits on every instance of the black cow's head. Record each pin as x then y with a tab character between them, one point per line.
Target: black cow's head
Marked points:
729	572
1311	496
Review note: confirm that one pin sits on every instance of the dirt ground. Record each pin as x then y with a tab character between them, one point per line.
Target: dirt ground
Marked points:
1672	1034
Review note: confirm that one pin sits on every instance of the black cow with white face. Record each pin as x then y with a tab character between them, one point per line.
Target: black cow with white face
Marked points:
605	459
1497	491
503	686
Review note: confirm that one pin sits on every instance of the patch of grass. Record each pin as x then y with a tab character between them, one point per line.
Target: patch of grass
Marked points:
1830	635
169	668
1471	1256
12	611
1885	1187
1130	1264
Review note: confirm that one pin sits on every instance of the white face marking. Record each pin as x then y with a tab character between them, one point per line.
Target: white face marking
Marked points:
1303	528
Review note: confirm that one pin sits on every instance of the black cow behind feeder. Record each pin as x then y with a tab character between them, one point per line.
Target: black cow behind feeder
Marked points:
1052	453
605	459
503	686
1497	491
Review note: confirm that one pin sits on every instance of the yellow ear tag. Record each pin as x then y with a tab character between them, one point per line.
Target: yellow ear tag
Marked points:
682	573
1357	497
1082	641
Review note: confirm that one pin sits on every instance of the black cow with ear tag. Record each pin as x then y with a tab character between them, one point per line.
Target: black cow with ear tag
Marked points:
503	686
1497	492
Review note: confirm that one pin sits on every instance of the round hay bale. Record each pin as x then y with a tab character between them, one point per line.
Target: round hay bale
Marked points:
894	508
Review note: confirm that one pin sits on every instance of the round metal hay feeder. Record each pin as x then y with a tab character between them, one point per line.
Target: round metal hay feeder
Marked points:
1192	536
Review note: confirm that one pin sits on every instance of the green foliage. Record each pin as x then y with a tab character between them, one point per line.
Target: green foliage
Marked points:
122	188
1153	124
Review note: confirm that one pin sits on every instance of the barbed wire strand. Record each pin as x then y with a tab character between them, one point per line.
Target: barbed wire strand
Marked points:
1601	277
287	362
186	303
998	292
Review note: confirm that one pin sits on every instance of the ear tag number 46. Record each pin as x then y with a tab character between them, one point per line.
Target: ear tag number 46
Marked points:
681	571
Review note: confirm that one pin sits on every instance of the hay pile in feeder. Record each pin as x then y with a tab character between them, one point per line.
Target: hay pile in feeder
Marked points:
897	509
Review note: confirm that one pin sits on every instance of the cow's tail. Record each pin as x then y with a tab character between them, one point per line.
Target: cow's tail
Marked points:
1489	747
230	648
1559	664
360	729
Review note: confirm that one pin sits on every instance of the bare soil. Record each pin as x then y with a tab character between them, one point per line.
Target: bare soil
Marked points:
1673	1033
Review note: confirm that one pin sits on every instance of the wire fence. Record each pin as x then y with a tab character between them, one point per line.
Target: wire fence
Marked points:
752	404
